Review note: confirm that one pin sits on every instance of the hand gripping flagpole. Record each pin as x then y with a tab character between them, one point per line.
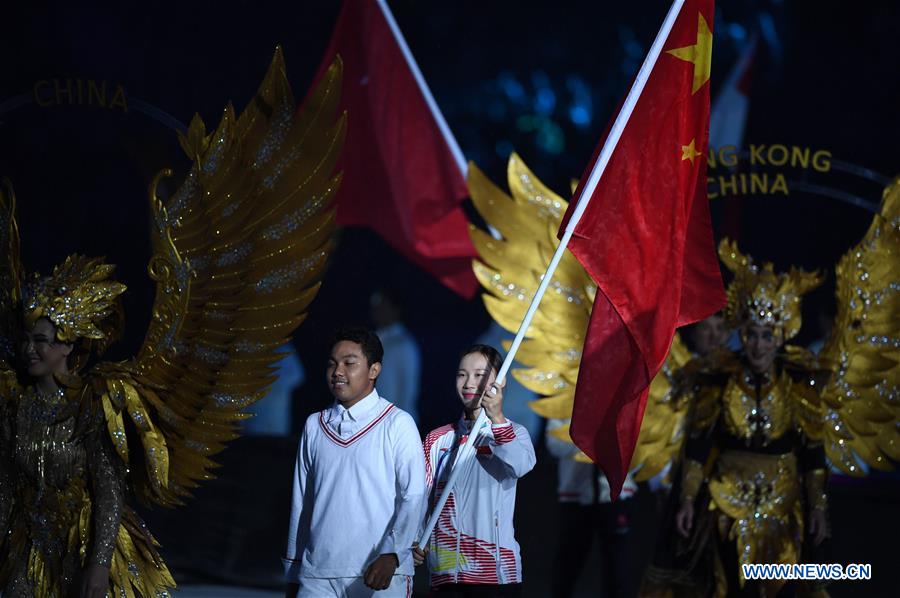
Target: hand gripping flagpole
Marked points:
465	453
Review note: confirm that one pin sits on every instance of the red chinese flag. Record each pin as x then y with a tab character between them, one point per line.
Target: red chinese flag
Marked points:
646	239
400	176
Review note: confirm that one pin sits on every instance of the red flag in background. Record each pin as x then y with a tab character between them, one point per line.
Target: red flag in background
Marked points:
646	239
403	173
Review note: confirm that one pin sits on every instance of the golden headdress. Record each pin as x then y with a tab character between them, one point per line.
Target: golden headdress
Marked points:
78	298
760	296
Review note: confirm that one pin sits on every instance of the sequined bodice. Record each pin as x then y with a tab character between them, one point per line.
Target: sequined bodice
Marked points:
757	412
64	493
48	454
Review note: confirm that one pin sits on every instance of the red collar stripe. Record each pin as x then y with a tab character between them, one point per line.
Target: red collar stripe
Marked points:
347	442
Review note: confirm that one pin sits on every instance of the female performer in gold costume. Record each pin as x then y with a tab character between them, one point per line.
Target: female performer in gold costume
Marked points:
238	251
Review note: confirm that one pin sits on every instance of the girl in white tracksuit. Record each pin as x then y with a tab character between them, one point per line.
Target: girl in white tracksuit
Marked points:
473	551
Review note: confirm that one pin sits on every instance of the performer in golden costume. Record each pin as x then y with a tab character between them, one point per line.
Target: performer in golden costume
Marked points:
238	251
762	422
756	428
765	422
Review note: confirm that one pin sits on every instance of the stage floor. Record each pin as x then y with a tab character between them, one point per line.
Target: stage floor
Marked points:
210	591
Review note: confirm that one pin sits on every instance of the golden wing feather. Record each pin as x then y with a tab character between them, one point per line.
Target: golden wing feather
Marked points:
861	402
510	270
10	273
239	250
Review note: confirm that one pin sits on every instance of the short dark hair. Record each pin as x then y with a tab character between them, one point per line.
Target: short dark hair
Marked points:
364	337
495	361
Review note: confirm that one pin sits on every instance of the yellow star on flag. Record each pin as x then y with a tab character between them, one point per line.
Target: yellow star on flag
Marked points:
689	151
700	54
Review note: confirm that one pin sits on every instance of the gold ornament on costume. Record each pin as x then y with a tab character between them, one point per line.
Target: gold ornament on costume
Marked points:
10	272
760	296
861	401
76	298
239	250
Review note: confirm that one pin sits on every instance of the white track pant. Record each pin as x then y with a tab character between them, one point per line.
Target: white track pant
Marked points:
352	587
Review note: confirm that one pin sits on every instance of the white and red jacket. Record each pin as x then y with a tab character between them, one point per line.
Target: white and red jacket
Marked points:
474	541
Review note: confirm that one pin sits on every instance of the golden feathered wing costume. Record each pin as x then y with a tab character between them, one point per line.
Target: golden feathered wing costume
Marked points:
857	416
510	269
843	402
239	250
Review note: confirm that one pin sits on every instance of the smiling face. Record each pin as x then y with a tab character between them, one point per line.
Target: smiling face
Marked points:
761	344
472	377
350	376
42	354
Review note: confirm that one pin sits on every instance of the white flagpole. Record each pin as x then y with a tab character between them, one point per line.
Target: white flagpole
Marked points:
423	87
465	452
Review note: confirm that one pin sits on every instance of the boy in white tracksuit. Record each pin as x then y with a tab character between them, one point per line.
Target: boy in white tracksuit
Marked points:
473	550
358	486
